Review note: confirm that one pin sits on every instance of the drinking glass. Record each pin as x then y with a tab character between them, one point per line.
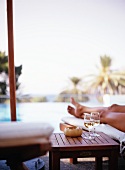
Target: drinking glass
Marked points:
95	117
88	123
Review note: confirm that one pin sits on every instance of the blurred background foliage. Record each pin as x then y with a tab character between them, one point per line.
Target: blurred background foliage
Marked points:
104	81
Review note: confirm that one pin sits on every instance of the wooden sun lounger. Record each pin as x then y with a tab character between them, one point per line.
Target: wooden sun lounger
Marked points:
18	144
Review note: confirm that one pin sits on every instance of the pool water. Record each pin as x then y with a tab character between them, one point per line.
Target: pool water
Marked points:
36	112
49	112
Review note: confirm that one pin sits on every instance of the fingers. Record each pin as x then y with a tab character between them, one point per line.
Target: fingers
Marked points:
70	108
82	116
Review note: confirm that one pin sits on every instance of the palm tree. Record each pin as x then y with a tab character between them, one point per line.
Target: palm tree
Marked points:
75	81
73	90
106	81
4	83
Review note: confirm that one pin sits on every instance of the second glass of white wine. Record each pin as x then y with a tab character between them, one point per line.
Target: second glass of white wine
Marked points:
95	117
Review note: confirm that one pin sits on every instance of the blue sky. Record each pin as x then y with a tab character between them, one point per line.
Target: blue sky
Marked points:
58	39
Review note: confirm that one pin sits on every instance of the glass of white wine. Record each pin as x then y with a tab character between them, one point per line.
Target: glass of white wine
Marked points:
88	123
95	117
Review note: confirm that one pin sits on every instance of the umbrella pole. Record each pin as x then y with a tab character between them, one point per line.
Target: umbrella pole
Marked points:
11	59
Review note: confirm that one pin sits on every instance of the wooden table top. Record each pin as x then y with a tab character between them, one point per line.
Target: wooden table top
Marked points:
61	142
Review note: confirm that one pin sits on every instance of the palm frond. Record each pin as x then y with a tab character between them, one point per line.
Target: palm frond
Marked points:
122	82
105	61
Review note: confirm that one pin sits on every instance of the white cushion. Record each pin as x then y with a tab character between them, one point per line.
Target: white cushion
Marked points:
111	131
107	129
22	133
74	121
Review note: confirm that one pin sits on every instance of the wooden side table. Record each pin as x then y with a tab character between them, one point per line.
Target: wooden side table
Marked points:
67	147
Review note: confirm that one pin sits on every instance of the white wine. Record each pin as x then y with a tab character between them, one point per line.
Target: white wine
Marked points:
96	122
88	124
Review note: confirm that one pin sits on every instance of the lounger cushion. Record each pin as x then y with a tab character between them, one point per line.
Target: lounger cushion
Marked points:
107	129
22	133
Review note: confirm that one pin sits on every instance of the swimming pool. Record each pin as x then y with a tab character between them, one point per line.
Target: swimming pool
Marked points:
49	112
36	112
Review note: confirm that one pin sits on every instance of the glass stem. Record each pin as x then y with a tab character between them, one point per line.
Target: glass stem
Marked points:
89	132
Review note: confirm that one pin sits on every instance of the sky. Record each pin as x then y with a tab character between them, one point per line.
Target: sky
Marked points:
58	39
